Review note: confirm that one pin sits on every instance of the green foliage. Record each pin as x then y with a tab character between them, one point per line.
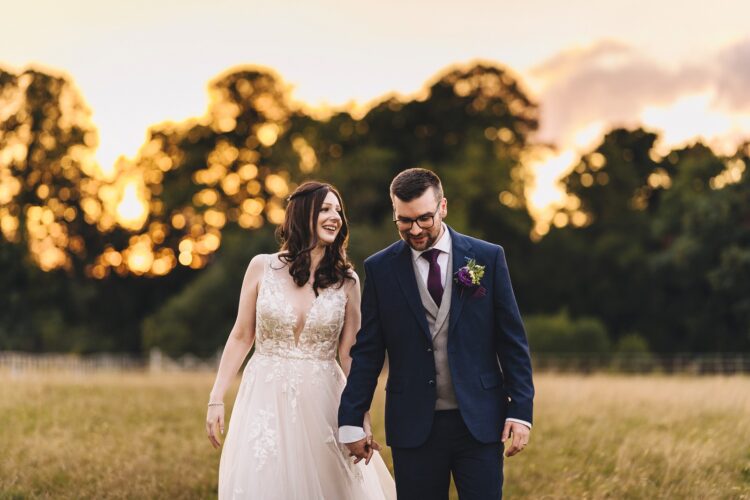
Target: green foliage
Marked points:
193	320
656	251
199	318
560	333
632	343
50	182
605	261
455	130
662	249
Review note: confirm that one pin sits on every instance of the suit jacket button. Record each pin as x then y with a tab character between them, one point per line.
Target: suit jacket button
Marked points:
431	382
429	349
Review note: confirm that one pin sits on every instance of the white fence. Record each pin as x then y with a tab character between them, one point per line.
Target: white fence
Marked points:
157	362
680	363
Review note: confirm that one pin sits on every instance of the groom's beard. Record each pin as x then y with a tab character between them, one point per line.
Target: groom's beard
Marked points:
428	240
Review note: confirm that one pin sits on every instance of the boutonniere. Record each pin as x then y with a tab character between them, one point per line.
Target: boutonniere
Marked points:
469	278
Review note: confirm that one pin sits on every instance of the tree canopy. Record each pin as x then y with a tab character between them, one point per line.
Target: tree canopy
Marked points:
651	249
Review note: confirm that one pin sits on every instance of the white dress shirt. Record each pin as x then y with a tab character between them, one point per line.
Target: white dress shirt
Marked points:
423	265
350	433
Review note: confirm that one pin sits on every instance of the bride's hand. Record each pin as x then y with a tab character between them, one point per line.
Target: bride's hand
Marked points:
214	422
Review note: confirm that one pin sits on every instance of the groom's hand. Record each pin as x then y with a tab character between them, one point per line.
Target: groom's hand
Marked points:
358	449
363	449
520	437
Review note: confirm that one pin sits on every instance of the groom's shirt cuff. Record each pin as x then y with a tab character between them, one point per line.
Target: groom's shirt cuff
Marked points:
518	421
350	434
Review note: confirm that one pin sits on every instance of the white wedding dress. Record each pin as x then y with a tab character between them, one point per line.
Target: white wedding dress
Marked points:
282	438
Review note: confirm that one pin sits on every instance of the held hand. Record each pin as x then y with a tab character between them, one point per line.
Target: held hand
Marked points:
372	445
214	423
520	437
362	449
358	449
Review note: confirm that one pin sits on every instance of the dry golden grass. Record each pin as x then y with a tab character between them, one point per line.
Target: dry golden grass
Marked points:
636	437
105	436
141	436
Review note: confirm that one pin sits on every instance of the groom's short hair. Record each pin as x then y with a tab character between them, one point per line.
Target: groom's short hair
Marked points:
412	183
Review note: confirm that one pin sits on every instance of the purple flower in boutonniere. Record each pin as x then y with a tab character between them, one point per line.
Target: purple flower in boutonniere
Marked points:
470	277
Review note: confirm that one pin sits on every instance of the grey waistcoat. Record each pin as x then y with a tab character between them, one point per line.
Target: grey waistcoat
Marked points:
437	320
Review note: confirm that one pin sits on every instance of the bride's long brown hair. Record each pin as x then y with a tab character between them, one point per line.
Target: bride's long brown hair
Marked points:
298	236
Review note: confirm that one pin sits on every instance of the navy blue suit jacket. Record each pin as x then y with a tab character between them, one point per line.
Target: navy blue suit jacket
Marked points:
487	349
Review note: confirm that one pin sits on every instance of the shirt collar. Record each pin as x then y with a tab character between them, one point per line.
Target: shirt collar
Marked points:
443	244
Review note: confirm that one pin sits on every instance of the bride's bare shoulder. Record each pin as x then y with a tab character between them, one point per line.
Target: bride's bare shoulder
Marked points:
352	285
354	276
258	264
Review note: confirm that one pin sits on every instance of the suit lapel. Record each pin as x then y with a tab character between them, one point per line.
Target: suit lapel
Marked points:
408	282
461	252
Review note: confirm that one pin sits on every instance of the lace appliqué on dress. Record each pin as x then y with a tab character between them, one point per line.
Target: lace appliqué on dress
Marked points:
263	438
347	462
275	321
278	354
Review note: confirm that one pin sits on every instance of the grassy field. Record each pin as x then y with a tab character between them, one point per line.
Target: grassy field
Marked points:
141	436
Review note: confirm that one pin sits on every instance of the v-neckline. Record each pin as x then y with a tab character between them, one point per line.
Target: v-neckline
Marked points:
295	336
291	310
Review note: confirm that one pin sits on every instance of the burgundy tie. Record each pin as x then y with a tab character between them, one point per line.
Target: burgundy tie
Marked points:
434	280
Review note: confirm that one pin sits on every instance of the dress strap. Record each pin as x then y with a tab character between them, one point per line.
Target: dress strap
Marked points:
269	271
266	272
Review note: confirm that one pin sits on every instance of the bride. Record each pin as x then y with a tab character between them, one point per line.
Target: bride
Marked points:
299	306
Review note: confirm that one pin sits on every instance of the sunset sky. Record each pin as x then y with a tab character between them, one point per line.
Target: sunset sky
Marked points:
680	67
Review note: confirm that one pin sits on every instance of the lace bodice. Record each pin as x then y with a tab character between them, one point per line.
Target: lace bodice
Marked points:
275	320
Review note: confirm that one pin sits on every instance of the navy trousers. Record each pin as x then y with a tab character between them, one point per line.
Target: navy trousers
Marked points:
423	473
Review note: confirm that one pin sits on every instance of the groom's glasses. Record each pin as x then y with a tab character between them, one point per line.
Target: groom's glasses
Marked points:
425	221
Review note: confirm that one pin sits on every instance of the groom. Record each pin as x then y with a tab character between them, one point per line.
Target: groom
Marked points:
441	305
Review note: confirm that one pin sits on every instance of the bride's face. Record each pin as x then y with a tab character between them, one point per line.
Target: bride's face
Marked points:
329	220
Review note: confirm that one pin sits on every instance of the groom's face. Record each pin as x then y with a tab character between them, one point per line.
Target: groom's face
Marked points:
427	208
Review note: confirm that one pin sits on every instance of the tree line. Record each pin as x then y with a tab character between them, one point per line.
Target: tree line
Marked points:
648	252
